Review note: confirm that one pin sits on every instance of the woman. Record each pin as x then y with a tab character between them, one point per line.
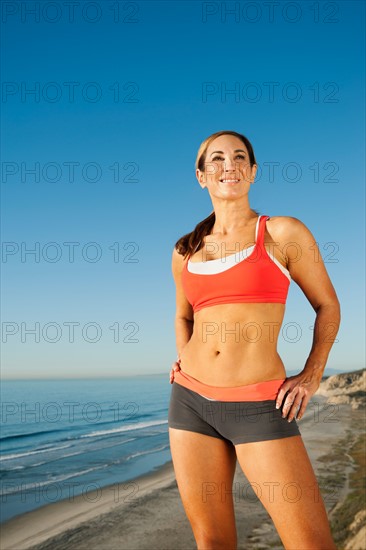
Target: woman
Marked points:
232	275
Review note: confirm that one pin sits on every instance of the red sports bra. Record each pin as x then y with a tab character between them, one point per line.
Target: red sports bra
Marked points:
250	275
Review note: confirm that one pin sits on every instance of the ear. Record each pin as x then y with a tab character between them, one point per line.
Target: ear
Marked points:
201	177
254	172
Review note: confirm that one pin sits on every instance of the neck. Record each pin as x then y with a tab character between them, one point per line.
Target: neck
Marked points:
231	217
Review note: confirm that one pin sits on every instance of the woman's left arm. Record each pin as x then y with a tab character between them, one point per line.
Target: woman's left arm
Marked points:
307	269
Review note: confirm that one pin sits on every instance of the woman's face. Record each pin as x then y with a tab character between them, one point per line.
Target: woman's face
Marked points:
227	167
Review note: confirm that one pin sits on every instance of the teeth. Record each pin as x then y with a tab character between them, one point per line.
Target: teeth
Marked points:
229	181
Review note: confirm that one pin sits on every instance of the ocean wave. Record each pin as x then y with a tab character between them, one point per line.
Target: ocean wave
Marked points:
56	479
35	452
148	452
129	427
66	429
51	449
25	435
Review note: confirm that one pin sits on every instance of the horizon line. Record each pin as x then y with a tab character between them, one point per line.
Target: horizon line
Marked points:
121	376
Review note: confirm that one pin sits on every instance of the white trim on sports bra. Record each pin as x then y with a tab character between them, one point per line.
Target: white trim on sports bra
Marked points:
222	264
279	265
211	267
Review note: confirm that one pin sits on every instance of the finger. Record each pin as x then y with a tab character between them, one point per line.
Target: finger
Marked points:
294	406
290	399
304	404
281	394
174	369
293	410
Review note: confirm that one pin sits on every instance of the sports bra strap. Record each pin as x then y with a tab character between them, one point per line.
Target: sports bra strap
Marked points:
261	230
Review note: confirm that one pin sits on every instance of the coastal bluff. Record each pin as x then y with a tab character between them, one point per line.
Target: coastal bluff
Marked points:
347	387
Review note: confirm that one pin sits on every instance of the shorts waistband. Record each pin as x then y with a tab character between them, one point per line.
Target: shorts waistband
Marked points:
260	391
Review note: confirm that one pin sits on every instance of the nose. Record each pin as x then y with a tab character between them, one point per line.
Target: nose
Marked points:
230	169
229	165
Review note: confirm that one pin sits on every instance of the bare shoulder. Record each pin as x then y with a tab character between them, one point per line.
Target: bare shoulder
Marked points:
177	263
184	309
288	228
177	258
303	259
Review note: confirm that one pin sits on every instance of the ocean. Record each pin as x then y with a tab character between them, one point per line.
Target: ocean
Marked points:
63	438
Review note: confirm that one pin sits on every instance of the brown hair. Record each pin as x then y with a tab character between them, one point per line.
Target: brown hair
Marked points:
193	241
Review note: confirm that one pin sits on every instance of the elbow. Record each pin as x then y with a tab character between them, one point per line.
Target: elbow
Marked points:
337	310
333	305
337	306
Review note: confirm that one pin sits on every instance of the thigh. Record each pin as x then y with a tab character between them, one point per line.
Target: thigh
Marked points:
282	476
204	468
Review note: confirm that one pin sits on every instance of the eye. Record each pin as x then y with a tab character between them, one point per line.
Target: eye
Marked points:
221	158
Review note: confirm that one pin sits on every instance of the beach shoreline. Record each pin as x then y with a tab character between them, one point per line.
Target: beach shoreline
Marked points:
147	512
26	530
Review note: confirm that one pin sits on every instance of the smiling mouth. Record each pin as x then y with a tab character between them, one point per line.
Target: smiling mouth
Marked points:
229	181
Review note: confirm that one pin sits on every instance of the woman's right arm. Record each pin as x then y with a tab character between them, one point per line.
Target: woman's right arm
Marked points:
184	312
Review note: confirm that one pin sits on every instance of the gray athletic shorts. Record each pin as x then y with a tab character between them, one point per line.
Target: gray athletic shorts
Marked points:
235	421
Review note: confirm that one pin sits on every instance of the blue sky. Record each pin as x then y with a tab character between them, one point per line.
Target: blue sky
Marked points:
121	105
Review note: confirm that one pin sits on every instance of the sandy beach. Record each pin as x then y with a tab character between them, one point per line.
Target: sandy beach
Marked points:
147	513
